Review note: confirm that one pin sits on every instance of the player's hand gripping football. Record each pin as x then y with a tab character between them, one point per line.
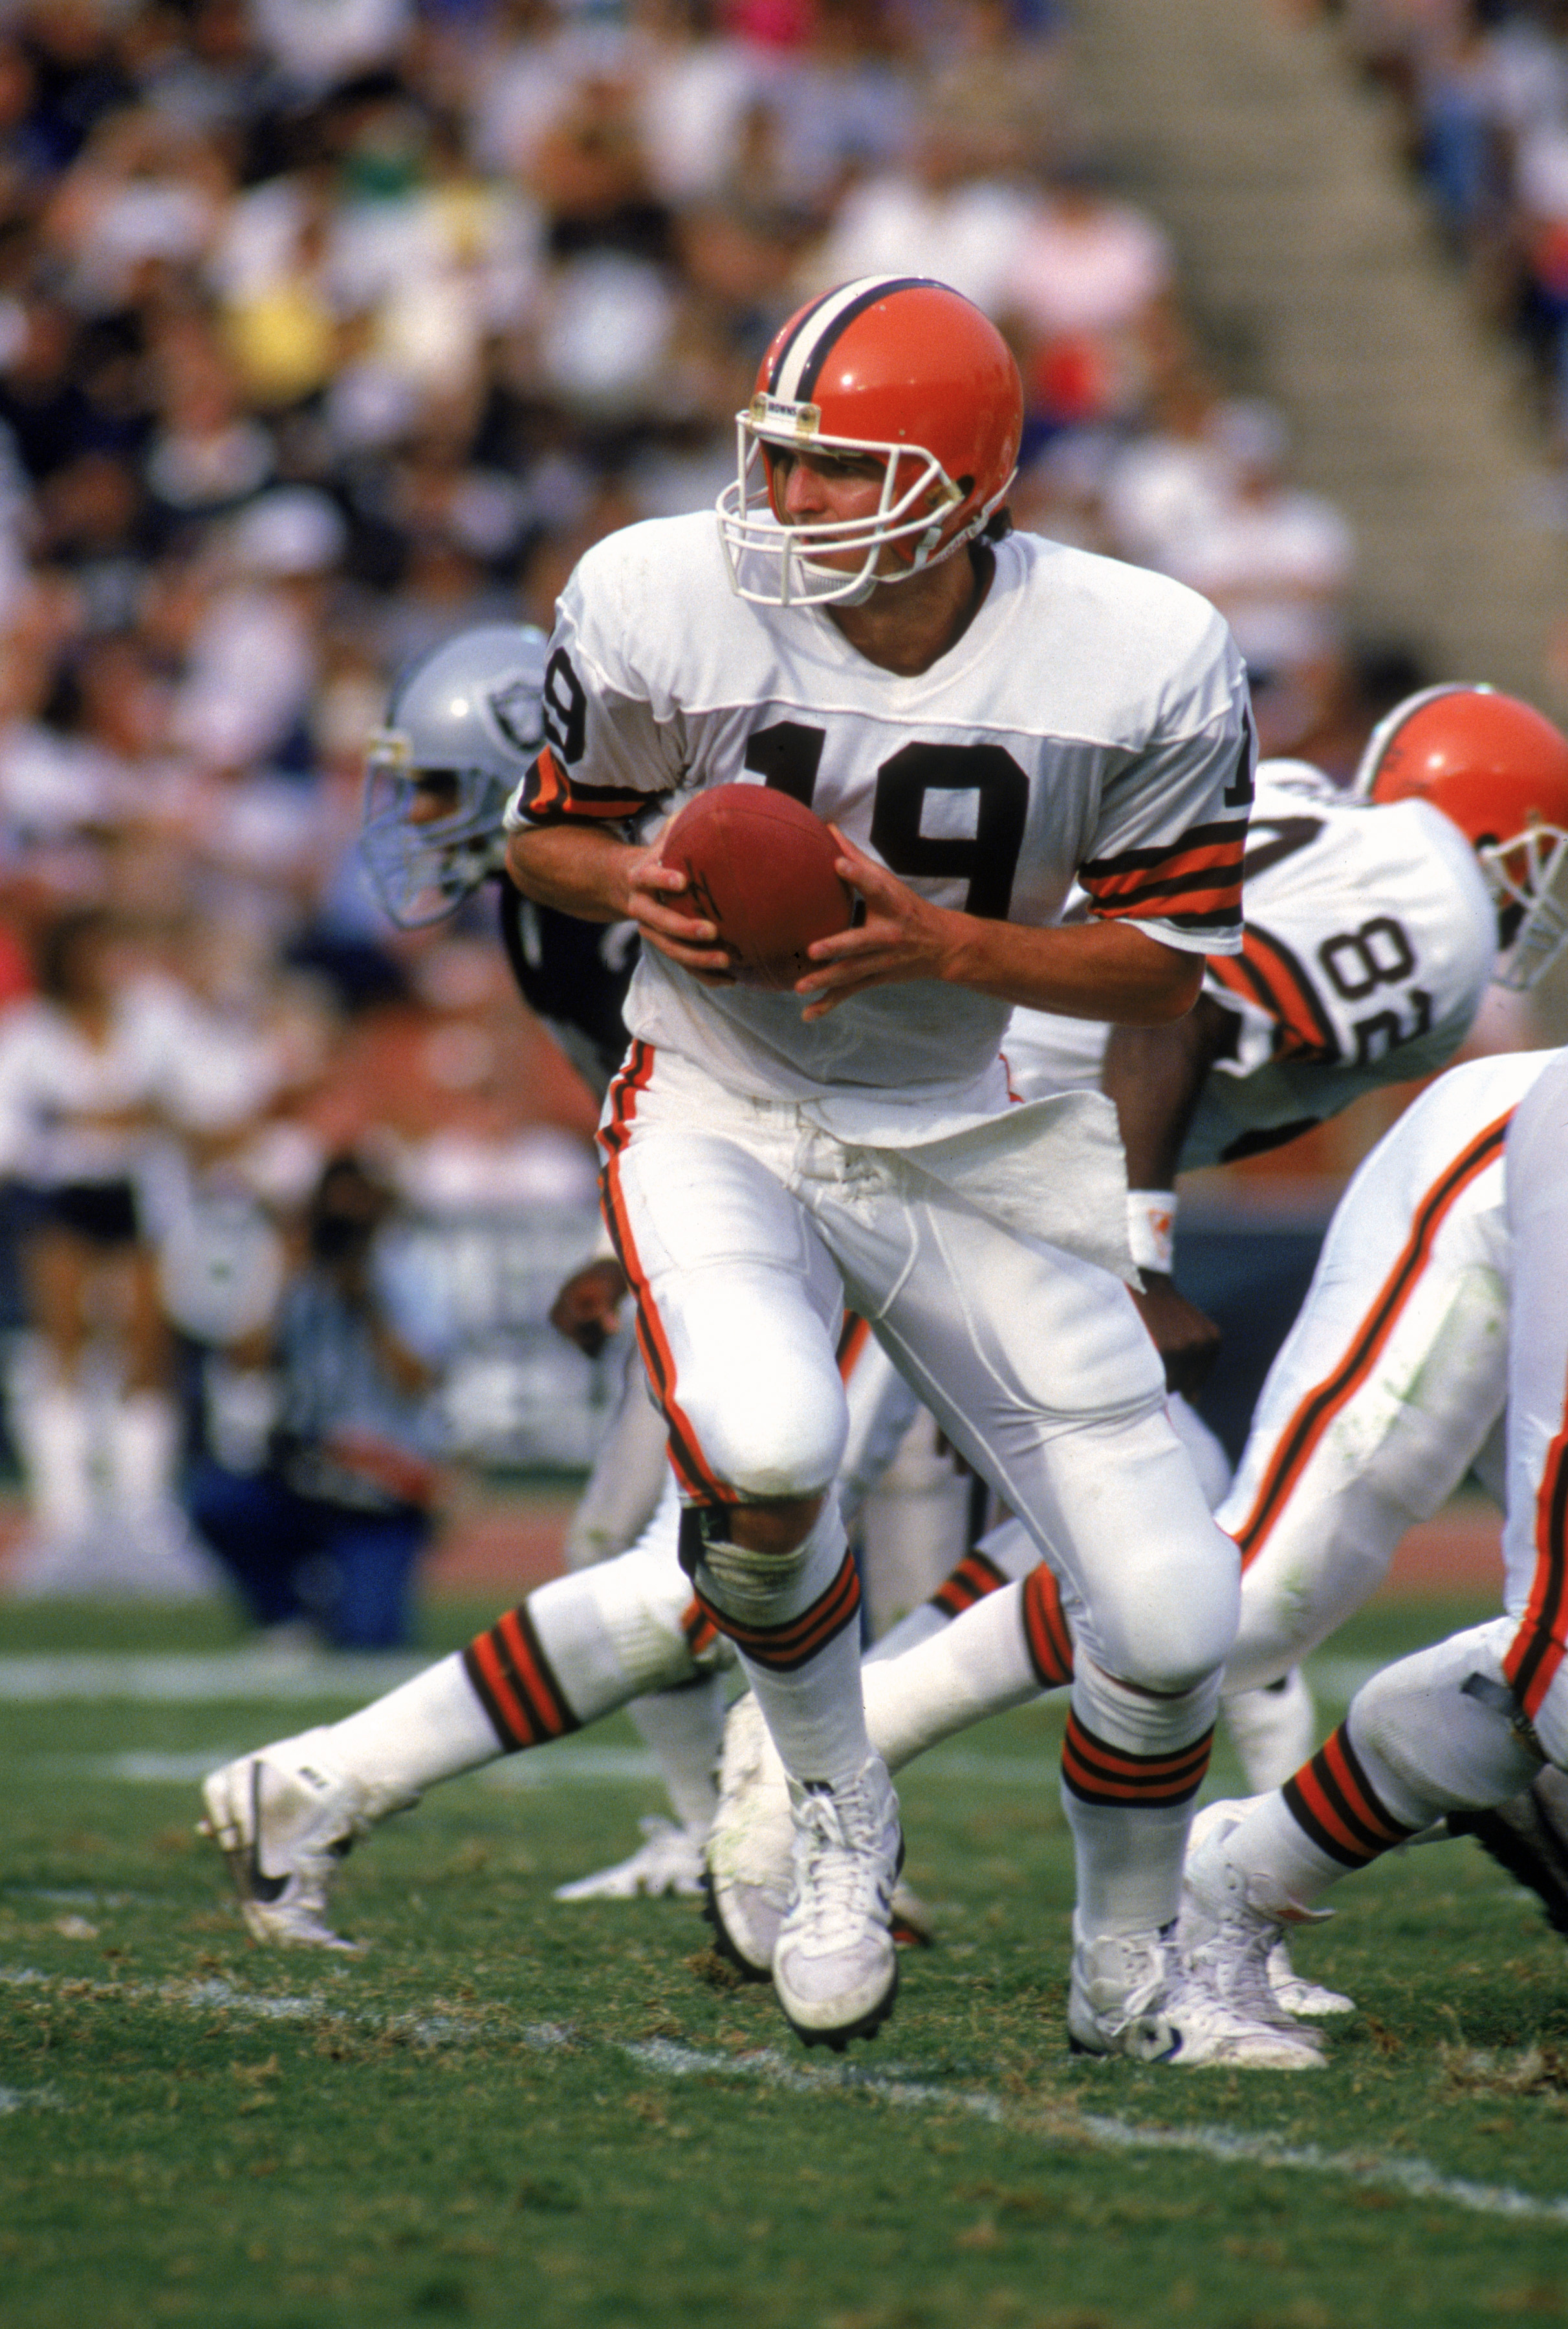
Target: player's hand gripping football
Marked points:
900	936
649	883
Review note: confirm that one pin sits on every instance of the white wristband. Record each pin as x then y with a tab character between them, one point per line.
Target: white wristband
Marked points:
1151	1227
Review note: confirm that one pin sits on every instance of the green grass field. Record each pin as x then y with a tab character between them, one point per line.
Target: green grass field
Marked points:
508	2111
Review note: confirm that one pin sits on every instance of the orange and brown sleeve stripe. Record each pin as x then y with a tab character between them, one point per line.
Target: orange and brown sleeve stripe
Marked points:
1047	1636
1335	1804
1268	974
1195	883
516	1684
1538	1649
550	797
1304	1433
1098	1773
783	1649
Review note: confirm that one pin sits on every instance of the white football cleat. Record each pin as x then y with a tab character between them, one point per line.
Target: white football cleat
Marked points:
836	1964
750	1854
283	1818
1291	1989
669	1861
1296	1993
1130	1996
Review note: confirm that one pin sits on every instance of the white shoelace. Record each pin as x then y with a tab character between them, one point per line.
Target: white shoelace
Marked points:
838	1885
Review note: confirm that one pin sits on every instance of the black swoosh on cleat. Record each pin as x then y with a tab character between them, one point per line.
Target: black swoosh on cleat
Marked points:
265	1889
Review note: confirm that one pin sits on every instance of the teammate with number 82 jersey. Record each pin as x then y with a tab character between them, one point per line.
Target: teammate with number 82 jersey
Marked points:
1370	937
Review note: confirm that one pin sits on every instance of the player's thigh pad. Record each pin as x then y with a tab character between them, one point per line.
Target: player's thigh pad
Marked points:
1040	1372
1350	1446
1535	1534
1437	1730
739	1305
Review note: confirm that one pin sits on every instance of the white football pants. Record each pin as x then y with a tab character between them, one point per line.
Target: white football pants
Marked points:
1394	1378
745	1232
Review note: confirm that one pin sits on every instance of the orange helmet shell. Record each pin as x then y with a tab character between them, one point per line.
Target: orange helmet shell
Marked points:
895	366
899	360
1499	769
1491	763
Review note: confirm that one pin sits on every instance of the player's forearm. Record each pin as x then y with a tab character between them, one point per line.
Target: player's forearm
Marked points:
1089	970
573	868
1155	1076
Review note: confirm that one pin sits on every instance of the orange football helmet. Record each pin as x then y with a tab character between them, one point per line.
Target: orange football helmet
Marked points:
897	367
1499	769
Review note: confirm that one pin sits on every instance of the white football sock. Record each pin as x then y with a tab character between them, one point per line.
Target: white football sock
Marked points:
1279	1859
431	1728
142	1436
1128	1861
54	1438
815	1714
682	1729
977	1665
1007	1552
1124	1756
1273	1729
614	1631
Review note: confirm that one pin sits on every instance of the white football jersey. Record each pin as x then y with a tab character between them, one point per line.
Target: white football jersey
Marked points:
1091	724
1370	937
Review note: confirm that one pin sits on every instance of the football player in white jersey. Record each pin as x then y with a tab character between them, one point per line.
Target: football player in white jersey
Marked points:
1374	918
983	720
1481	1721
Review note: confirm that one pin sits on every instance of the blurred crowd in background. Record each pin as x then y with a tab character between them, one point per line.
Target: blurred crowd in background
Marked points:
328	327
1480	94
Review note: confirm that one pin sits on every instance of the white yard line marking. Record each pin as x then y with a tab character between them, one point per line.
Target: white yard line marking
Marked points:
261	1676
678	2060
217	1995
1415	2179
216	1675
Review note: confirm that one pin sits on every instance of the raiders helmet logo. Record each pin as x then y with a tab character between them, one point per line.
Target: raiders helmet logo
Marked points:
516	711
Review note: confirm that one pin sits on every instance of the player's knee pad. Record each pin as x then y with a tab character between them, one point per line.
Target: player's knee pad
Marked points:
1439	1732
788	1445
1137	1724
757	1390
759	1588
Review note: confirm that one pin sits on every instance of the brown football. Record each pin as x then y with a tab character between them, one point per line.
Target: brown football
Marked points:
760	865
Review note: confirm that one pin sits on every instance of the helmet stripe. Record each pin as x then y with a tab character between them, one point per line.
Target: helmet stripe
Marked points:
801	321
800	362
